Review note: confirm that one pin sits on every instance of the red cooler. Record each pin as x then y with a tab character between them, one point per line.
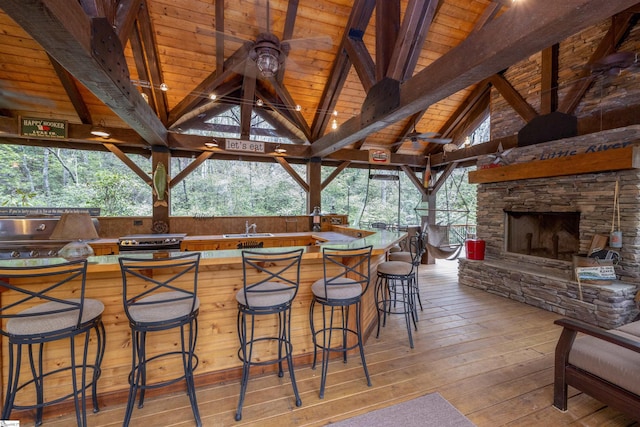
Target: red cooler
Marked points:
475	249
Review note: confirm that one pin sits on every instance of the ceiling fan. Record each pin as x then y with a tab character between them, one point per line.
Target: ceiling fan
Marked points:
415	137
614	63
268	52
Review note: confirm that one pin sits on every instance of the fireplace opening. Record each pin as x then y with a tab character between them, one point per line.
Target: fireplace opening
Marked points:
552	235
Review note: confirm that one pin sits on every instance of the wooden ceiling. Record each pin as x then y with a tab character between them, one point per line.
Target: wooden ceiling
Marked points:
384	66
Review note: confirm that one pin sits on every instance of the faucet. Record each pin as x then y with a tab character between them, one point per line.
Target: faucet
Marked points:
248	227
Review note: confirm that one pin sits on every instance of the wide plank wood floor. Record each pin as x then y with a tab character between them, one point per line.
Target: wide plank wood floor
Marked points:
490	357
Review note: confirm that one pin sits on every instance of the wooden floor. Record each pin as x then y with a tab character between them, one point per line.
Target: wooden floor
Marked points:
490	357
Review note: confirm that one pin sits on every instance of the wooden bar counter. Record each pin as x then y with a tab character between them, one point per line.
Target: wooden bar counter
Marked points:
220	277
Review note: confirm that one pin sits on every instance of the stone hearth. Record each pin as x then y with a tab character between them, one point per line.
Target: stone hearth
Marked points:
547	282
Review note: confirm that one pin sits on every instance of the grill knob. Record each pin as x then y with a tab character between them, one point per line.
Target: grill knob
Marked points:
15	254
34	254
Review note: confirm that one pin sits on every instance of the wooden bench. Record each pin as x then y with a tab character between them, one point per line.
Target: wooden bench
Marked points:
604	364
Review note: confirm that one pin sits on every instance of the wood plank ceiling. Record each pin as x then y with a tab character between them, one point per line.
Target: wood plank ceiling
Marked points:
386	67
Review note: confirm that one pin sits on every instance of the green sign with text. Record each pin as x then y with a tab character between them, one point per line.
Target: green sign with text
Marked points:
43	128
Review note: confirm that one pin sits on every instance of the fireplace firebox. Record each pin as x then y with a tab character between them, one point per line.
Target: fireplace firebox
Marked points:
554	235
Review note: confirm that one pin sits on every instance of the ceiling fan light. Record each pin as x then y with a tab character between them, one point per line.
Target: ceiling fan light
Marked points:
267	61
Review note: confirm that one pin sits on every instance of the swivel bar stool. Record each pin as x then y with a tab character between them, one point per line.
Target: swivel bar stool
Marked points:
160	294
345	281
36	312
270	283
396	288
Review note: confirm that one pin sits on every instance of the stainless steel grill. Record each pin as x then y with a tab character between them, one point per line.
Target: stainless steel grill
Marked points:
28	237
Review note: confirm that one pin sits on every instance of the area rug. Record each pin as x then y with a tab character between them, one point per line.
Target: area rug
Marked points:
431	410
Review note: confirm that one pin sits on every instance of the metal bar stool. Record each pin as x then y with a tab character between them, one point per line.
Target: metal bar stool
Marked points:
345	281
407	256
396	288
270	283
160	294
37	312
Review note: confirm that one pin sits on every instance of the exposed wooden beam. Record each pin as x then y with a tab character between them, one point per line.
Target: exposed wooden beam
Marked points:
443	177
292	172
387	29
517	34
513	98
205	155
205	105
80	45
415	180
287	33
153	65
70	87
488	15
408	46
126	15
289	104
362	61
549	80
248	96
130	163
219	37
342	166
142	70
358	20
233	65
619	26
479	96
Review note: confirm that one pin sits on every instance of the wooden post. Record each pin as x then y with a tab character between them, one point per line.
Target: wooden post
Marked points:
314	196
161	203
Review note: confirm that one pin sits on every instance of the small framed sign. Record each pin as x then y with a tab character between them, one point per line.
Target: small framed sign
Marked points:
380	156
43	128
242	145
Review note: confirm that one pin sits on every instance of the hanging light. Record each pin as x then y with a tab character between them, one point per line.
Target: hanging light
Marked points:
213	96
100	130
298	107
334	124
259	102
266	53
164	87
279	150
211	144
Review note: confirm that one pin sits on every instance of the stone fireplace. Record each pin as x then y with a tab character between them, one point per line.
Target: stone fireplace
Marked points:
533	227
552	235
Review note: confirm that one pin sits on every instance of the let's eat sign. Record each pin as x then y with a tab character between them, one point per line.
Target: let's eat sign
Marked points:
43	128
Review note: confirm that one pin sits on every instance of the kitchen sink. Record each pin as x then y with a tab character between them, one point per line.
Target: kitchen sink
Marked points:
245	235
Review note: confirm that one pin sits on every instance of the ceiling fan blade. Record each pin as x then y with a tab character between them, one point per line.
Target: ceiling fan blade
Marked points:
438	140
426	135
324	43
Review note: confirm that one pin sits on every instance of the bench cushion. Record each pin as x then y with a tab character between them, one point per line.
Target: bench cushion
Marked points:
610	362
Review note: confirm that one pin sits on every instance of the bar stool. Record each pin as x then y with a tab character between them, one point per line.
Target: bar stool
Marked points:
396	288
270	283
407	256
345	281
160	294
37	312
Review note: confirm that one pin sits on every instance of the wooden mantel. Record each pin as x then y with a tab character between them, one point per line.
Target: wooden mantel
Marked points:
609	160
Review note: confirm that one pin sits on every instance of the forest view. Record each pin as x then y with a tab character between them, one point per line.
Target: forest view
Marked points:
53	177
